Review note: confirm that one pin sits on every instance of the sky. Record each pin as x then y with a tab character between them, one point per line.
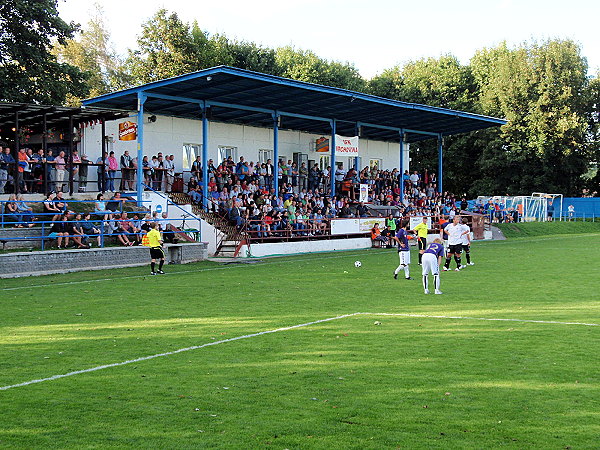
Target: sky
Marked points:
372	35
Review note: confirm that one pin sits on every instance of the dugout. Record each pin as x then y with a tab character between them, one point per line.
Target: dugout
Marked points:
236	96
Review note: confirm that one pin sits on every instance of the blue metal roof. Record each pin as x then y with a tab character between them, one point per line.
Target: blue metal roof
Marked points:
250	98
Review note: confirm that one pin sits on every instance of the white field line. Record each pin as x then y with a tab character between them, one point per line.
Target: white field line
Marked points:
494	319
174	352
246	336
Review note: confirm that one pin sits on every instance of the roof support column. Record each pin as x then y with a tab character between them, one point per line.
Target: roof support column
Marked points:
332	149
276	153
357	133
205	192
140	147
45	147
16	177
440	162
71	148
401	177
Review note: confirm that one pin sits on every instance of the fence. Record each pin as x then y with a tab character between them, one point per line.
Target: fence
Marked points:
63	225
44	177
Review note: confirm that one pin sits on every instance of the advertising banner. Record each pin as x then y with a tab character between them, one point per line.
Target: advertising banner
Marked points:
345	226
367	224
346	146
127	131
414	221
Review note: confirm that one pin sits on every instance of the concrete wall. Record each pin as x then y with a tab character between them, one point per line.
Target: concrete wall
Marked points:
168	134
63	261
290	248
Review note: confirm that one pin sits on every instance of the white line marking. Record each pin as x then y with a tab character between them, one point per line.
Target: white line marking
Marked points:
246	336
427	316
174	352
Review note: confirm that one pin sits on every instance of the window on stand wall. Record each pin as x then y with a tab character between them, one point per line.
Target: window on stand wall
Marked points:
226	151
190	152
323	162
264	155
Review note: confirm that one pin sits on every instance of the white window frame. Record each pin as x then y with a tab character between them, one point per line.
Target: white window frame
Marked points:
225	151
264	154
189	153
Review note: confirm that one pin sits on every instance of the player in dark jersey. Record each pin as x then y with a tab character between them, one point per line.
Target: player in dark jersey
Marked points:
432	257
403	251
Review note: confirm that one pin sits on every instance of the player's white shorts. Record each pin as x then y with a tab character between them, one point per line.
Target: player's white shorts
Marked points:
430	264
404	258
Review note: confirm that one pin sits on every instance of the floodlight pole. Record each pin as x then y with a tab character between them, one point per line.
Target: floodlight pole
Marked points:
204	157
440	162
140	147
332	149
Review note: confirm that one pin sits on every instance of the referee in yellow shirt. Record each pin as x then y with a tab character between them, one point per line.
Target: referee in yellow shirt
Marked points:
421	230
156	251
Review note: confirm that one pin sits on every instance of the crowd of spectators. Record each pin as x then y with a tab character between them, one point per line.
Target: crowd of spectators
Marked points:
81	229
45	171
245	193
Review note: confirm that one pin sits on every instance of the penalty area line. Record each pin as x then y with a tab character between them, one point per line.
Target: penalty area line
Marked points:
291	327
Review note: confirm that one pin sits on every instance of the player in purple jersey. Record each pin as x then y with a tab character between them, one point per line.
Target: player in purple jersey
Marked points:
403	251
432	257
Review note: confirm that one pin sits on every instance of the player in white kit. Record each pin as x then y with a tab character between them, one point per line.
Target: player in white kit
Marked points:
432	257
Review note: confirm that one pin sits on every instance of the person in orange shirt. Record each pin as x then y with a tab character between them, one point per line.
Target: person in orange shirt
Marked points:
23	163
376	235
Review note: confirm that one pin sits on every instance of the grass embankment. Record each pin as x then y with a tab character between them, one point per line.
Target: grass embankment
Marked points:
530	229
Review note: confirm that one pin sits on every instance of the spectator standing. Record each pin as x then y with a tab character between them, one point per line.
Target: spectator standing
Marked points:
102	168
6	164
169	166
113	166
83	173
125	164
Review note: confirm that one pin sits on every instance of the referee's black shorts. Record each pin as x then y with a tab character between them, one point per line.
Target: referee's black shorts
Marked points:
456	249
157	253
422	243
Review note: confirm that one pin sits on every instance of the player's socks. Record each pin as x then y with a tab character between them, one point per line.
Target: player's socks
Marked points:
426	283
406	272
420	258
160	264
436	281
468	256
447	264
153	265
457	260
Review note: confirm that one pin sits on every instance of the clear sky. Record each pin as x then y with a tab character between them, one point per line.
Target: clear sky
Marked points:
372	35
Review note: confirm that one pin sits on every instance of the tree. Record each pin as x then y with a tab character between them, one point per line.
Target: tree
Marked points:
28	70
306	66
167	47
93	54
541	90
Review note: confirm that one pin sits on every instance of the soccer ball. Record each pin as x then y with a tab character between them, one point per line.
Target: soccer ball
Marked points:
357	264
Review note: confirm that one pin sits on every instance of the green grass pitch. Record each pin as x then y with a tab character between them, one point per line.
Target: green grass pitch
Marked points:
408	382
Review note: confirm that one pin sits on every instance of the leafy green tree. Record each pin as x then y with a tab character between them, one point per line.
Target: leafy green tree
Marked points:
93	54
542	90
167	47
28	70
303	65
